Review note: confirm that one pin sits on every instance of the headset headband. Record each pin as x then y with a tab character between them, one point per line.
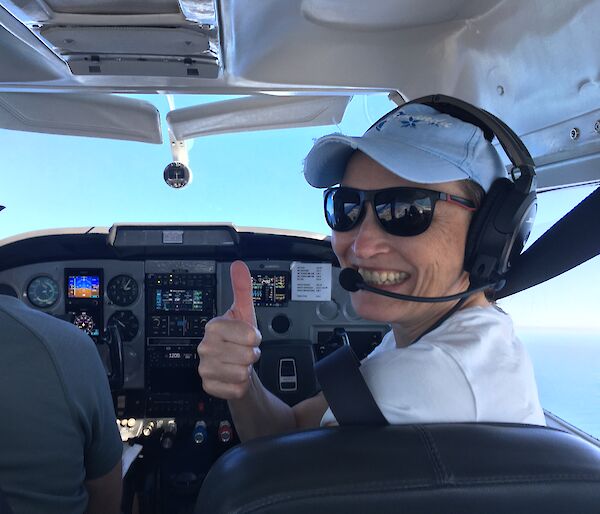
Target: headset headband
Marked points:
491	126
502	225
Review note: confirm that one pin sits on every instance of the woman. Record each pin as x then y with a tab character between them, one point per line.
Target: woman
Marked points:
408	191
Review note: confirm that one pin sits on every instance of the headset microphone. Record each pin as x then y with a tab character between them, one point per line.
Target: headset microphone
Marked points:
351	280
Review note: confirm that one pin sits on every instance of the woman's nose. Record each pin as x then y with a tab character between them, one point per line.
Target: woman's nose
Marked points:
370	238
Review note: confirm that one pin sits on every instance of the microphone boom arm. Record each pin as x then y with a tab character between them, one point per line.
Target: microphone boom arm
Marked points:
351	280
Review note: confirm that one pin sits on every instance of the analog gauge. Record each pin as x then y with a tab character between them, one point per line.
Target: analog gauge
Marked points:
122	290
42	292
85	322
127	324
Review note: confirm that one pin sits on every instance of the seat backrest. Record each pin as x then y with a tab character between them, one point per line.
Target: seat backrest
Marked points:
413	469
4	506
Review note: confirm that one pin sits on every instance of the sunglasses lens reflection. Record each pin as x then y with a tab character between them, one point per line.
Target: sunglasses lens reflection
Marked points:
343	209
404	212
400	212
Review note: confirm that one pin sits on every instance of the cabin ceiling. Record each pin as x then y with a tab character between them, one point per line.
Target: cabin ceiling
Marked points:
509	56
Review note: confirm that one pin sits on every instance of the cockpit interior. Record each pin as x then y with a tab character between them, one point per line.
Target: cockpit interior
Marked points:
159	285
144	291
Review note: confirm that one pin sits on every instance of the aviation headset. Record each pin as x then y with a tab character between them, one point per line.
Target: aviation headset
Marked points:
503	222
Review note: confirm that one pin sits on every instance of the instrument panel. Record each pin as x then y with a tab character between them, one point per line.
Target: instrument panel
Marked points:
165	304
160	308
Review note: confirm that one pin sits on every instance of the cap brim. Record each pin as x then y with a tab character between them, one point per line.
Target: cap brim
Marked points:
325	165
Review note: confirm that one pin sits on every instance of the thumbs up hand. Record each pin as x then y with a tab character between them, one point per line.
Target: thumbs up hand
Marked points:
242	308
230	344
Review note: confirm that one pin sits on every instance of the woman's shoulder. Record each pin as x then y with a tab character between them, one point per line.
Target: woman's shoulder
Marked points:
480	315
387	343
464	331
474	324
476	337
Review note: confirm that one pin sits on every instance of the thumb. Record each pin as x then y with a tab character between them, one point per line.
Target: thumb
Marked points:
242	308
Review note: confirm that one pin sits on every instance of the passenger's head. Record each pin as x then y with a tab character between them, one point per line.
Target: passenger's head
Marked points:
416	243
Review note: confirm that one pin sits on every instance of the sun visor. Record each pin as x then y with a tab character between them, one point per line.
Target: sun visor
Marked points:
88	115
256	113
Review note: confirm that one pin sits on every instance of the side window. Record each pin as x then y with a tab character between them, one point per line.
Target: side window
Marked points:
559	323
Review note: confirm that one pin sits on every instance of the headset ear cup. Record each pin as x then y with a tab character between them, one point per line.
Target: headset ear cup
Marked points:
484	221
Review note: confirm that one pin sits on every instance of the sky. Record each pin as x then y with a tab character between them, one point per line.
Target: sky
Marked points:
249	179
246	179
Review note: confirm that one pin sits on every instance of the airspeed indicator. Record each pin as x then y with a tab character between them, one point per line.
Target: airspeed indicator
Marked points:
42	291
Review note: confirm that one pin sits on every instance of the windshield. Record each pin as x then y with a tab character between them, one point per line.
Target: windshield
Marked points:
250	179
255	179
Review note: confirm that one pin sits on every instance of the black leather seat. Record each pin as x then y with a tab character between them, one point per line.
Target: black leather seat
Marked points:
4	506
410	469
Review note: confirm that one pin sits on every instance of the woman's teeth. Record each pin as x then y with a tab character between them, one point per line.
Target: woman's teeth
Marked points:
383	278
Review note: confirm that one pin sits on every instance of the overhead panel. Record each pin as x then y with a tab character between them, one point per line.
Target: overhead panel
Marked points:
151	38
111	6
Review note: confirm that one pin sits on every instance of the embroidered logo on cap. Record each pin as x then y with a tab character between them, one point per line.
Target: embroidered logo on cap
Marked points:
412	120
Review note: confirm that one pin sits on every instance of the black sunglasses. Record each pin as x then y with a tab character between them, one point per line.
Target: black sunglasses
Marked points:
401	211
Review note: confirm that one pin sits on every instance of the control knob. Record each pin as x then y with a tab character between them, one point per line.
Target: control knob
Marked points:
199	433
149	428
225	431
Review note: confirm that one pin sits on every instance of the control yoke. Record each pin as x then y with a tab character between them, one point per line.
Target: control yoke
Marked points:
112	338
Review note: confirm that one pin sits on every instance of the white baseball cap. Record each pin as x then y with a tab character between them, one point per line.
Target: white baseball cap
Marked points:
417	143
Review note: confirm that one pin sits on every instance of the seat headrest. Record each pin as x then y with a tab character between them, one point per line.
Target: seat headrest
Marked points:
413	469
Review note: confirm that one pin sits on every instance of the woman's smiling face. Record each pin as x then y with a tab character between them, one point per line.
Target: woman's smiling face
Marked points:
429	264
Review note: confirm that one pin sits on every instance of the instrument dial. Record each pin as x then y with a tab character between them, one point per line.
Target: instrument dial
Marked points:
122	290
85	322
127	324
42	292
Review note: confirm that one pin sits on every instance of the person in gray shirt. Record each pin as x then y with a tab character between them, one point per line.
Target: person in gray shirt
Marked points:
60	449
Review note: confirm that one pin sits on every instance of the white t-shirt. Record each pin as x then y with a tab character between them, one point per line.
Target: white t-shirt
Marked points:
471	368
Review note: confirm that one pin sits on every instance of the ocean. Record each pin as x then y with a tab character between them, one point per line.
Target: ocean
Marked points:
567	370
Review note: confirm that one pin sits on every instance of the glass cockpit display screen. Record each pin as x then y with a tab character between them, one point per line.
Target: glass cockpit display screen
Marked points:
181	300
83	286
83	299
270	289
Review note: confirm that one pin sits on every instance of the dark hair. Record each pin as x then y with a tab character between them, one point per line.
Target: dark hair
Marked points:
473	191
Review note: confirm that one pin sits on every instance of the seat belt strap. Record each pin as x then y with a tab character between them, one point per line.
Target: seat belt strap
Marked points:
571	241
346	391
